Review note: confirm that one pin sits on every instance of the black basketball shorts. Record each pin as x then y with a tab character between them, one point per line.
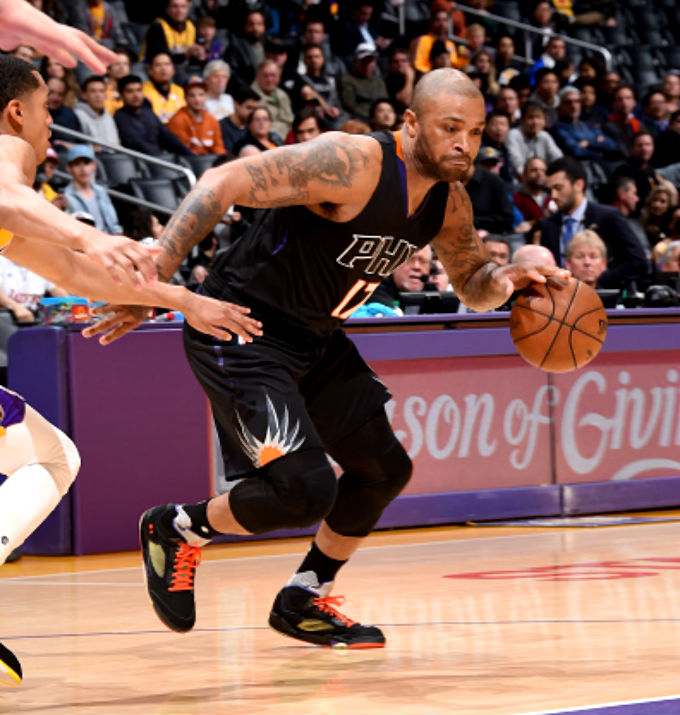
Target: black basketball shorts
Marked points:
272	397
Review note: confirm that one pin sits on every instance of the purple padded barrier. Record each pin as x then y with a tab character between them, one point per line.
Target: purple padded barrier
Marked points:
38	370
620	496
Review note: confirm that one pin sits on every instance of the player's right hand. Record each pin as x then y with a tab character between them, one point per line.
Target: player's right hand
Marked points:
220	319
123	258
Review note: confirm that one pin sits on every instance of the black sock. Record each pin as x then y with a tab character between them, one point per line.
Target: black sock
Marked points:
323	566
198	513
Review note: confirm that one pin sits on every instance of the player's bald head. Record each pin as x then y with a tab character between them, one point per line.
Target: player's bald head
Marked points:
440	82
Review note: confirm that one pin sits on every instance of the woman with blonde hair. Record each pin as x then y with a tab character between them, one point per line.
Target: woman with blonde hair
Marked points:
655	218
483	62
586	257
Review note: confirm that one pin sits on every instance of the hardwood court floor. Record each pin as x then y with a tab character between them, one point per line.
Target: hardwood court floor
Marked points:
484	621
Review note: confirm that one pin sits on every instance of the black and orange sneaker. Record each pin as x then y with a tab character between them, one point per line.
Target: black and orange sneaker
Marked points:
303	614
170	566
10	668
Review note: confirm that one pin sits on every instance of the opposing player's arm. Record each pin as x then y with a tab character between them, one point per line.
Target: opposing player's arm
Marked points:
335	168
479	282
81	276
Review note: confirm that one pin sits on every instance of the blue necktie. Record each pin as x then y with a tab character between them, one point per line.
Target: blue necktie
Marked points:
568	232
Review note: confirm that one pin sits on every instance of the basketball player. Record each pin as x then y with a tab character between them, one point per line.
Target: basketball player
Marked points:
341	212
39	460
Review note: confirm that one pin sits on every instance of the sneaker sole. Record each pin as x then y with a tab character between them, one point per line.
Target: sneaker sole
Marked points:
164	619
10	668
276	623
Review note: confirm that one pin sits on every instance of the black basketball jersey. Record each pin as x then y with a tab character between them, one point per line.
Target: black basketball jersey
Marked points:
307	273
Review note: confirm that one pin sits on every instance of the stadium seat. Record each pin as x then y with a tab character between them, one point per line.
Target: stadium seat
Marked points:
157	191
120	168
163	172
198	163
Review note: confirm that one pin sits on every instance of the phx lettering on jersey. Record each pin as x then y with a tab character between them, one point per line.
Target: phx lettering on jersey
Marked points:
382	259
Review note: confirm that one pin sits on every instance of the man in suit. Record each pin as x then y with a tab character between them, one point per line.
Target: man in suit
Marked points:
566	180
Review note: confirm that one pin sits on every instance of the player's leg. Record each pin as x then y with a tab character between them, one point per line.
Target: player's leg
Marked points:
375	469
41	463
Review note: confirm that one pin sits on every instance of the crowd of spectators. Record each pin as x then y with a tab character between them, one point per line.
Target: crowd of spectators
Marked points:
579	157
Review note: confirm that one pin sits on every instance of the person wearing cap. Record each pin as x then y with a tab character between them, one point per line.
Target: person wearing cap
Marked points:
165	96
361	86
92	114
44	178
266	85
216	77
82	194
193	124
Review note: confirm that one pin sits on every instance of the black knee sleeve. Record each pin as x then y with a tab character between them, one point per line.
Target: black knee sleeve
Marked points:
294	491
376	468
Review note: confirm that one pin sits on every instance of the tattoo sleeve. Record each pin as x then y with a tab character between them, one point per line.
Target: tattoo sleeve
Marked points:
464	257
196	216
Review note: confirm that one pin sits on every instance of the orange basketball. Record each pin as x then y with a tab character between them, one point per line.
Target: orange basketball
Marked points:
559	325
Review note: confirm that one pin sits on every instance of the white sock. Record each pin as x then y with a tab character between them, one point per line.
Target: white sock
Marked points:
26	500
310	582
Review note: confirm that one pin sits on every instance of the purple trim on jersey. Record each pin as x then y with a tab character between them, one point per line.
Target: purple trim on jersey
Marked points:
283	242
404	192
12	408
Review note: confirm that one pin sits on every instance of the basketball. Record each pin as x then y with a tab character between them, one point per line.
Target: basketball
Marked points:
558	325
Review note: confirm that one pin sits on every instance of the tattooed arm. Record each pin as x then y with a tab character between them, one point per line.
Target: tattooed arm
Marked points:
479	282
335	168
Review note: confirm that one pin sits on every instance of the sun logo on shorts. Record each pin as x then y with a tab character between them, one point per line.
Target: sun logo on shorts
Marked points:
279	440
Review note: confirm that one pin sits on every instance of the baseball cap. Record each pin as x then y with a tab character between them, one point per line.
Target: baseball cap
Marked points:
51	155
194	81
488	153
363	50
79	151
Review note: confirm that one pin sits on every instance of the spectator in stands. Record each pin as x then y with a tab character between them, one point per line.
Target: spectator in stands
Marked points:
657	213
670	262
45	183
554	51
611	81
92	114
667	147
383	115
421	47
266	85
493	212
174	34
164	95
410	276
120	68
314	33
530	139
25	53
360	29
508	102
670	87
138	126
61	115
260	134
52	68
506	65
98	19
495	133
532	253
546	95
82	194
400	79
142	225
640	169
586	257
315	87
591	111
206	37
234	127
477	39
521	85
483	62
498	249
577	137
246	50
355	126
277	50
193	124
654	112
622	124
532	197
567	183
440	58
624	198
361	86
306	125
216	76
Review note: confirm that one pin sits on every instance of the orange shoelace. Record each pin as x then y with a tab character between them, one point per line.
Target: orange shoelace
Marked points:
187	559
326	605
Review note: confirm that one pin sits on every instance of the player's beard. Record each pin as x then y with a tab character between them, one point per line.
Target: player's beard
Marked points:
433	168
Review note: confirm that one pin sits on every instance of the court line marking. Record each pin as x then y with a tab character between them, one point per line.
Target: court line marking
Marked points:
418	545
598	706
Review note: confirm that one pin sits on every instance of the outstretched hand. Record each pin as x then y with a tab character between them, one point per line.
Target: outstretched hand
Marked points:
123	258
116	321
22	24
517	276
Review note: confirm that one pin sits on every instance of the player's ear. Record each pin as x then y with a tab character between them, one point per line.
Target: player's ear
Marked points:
14	112
410	122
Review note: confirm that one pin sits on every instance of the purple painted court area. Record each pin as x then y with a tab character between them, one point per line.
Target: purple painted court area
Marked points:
667	706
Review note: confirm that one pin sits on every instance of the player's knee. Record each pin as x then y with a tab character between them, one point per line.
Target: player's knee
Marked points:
397	470
65	465
306	486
